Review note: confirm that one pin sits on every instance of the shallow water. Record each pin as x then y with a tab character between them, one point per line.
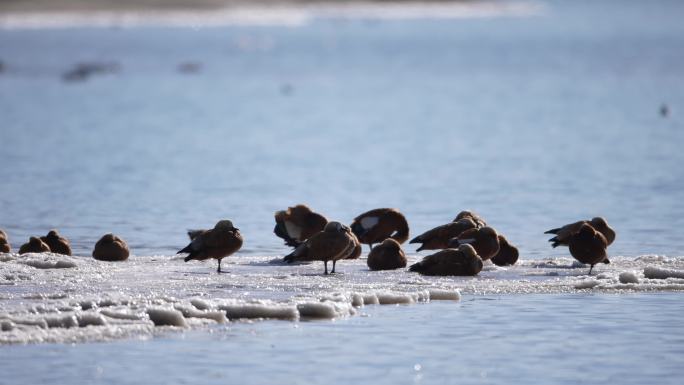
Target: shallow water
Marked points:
536	339
531	120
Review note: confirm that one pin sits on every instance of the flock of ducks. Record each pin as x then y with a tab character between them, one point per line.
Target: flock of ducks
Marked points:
463	244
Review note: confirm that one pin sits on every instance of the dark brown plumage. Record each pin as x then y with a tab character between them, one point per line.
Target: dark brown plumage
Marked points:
4	242
439	237
356	253
221	241
335	242
386	256
34	245
485	240
461	261
297	224
57	243
563	234
588	246
507	255
376	225
111	248
479	221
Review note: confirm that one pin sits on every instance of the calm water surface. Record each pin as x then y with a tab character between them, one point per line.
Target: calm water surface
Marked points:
533	339
532	121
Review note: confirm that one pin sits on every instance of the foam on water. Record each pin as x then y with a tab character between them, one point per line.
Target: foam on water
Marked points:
94	301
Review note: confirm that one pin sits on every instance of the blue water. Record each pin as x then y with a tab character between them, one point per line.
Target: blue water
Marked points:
634	339
533	122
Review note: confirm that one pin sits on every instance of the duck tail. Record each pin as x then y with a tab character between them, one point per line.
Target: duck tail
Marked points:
553	231
298	253
416	267
192	234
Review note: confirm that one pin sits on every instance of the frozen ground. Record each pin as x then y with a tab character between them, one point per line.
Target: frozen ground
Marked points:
52	298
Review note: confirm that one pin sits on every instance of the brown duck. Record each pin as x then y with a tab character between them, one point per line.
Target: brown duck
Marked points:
479	221
4	242
588	246
57	243
461	261
297	224
335	242
439	237
507	255
485	240
111	248
386	256
34	245
221	241
376	225
563	234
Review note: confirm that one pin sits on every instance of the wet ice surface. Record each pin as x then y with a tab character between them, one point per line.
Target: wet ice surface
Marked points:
50	298
530	339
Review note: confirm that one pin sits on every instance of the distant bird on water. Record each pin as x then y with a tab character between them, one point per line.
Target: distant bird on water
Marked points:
461	261
386	256
664	110
588	246
439	237
4	242
111	248
507	255
334	243
57	243
296	224
221	241
34	245
563	234
376	225
484	240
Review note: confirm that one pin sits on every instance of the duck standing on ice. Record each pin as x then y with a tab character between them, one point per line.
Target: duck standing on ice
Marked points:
335	242
221	241
588	246
376	225
564	233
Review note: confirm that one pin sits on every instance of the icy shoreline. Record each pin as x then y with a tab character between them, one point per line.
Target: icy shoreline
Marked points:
48	298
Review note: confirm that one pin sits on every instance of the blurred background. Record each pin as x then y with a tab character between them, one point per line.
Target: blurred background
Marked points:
533	114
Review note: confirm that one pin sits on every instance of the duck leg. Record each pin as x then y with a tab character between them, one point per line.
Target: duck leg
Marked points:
333	269
592	266
219	266
325	263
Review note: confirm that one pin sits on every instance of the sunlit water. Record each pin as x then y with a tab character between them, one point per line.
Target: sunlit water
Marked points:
532	121
630	339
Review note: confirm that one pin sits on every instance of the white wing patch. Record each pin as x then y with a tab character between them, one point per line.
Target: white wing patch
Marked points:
293	230
369	222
